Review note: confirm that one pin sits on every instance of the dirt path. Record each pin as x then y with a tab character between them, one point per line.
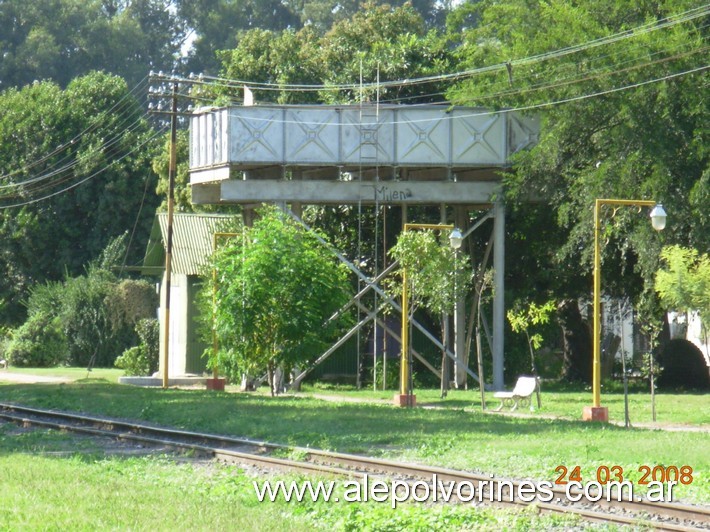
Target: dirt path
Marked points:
24	378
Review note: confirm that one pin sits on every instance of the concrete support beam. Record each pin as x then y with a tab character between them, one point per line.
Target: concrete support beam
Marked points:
345	192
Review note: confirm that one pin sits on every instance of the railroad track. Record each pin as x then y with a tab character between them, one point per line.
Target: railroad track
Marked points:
638	512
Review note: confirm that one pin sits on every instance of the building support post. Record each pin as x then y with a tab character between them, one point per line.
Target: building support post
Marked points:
499	295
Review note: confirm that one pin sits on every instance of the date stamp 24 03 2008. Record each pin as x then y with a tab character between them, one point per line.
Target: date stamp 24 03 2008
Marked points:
659	479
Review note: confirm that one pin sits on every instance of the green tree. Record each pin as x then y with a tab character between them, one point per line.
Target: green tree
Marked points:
322	15
523	318
218	24
63	39
222	24
435	275
268	56
566	62
273	293
391	41
74	173
685	284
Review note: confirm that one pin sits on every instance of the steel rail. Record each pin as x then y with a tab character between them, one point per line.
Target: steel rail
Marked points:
256	453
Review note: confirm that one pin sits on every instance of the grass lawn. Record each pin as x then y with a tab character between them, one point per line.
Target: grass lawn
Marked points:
458	436
688	408
58	481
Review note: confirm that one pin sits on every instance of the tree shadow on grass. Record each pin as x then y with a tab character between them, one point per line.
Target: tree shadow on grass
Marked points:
288	419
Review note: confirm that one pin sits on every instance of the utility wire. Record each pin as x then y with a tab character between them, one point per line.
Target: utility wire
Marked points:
118	107
599	72
611	39
483	112
566	81
27	185
89	177
74	161
56	175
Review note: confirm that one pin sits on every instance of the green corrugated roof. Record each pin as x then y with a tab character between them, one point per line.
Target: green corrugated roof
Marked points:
192	241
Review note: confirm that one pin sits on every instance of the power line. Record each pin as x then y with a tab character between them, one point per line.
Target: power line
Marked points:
120	135
567	81
591	75
118	107
650	27
483	112
89	177
49	178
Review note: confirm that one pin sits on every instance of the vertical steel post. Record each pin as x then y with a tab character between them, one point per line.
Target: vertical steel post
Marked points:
460	221
215	342
499	294
596	309
404	358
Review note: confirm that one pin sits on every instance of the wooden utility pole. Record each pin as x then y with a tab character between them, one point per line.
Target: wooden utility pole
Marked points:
169	239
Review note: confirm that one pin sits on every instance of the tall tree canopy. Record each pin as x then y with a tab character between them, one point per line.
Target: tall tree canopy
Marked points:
221	24
74	173
392	43
620	89
63	39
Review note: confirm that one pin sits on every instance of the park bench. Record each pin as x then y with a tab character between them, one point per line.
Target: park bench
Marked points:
521	394
3	363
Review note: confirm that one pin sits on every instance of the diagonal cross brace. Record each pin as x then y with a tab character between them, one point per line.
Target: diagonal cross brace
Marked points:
385	296
397	337
370	316
359	295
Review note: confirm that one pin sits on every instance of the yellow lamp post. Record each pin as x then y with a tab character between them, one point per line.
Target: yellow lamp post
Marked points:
596	412
405	396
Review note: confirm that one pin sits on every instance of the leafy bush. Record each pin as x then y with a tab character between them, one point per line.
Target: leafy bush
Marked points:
144	358
148	331
39	342
97	312
86	323
95	316
273	293
132	300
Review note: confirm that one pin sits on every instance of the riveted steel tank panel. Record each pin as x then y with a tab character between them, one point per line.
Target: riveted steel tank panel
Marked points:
209	139
350	136
423	137
478	138
311	136
523	131
367	136
256	135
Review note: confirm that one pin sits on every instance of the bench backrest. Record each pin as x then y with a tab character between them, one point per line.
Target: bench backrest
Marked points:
525	386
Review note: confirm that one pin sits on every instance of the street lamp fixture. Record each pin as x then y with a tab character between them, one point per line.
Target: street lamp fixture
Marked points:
596	412
658	217
405	396
455	239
